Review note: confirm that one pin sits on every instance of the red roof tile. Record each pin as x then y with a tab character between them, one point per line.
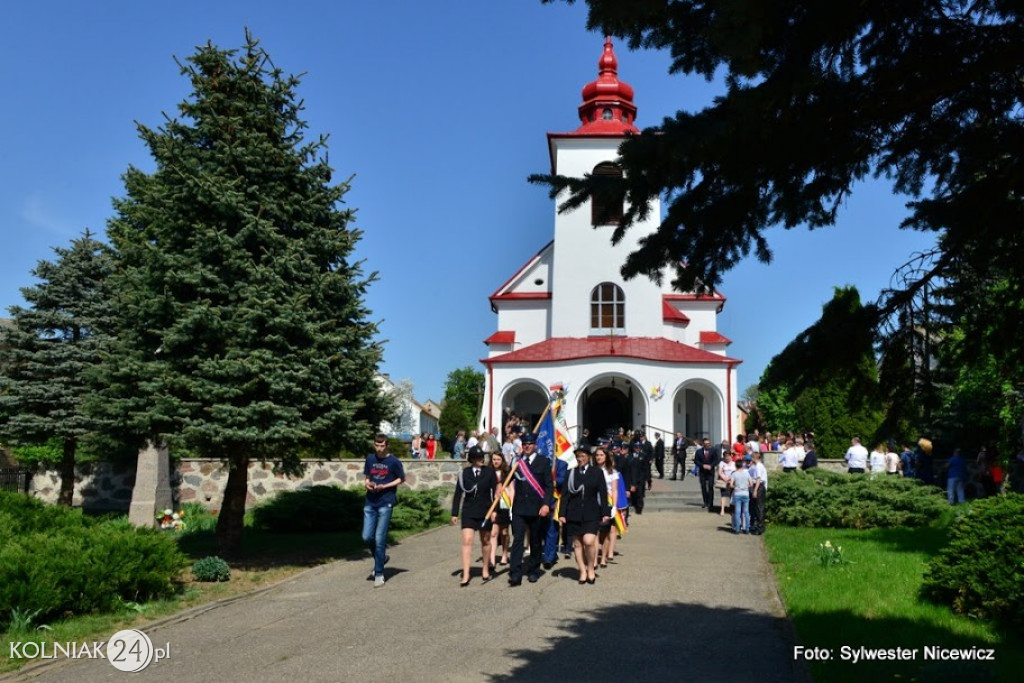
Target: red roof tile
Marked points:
574	348
670	314
521	296
501	337
714	338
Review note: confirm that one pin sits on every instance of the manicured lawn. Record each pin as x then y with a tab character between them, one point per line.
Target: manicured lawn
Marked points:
872	601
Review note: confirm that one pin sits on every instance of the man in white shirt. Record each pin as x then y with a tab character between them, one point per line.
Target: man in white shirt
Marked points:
856	457
790	457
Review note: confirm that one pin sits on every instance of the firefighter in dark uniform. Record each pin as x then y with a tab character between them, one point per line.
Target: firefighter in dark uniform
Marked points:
531	505
474	493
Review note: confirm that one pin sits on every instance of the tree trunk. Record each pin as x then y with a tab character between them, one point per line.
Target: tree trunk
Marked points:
67	473
232	511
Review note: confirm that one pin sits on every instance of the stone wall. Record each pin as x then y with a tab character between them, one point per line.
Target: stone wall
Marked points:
98	486
102	486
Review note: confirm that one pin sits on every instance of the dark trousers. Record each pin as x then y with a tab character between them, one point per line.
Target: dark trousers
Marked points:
707	487
637	498
757	509
679	464
659	464
525	527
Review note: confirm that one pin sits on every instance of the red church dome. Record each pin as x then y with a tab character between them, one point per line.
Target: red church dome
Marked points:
607	102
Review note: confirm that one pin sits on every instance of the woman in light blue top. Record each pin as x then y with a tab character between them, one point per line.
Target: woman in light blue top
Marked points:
740	484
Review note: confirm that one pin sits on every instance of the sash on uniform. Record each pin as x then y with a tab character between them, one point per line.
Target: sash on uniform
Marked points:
524	467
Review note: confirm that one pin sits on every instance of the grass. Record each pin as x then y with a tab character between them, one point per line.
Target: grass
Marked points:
266	559
872	600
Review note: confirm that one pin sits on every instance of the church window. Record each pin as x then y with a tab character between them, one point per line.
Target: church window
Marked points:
606	114
606	205
607	308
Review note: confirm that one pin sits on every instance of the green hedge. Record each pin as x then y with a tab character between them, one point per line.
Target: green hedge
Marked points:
825	499
318	508
981	572
334	509
55	561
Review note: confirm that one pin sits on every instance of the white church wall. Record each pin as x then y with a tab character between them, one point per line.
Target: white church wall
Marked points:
585	257
530	320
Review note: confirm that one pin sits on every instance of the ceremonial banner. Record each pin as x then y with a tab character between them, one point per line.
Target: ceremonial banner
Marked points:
617	518
546	436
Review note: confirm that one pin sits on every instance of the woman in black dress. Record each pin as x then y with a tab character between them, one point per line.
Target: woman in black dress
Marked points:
474	491
584	507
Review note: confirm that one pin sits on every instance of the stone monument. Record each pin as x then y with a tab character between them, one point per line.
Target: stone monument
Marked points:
152	489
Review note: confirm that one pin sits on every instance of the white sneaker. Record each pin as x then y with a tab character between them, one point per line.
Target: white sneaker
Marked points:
378	581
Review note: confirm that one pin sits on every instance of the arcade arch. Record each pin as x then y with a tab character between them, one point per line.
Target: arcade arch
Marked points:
697	411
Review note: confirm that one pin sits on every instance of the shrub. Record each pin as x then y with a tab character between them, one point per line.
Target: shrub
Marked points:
318	508
334	509
826	499
210	569
981	572
22	514
417	510
54	561
198	519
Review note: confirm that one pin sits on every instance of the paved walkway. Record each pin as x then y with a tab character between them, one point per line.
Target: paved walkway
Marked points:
685	600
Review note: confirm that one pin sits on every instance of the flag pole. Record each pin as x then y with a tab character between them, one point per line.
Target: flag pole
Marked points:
547	410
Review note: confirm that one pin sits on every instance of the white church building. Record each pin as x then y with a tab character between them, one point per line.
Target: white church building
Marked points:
633	354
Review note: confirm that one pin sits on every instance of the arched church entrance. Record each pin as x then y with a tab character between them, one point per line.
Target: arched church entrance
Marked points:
698	411
606	411
527	399
608	405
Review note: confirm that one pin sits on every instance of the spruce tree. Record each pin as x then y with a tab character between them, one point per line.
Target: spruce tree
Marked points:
45	354
243	330
828	376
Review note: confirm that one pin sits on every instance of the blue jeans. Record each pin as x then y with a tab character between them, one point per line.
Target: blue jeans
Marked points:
955	490
740	513
375	533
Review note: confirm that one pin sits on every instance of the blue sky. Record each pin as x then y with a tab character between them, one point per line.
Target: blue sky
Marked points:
439	110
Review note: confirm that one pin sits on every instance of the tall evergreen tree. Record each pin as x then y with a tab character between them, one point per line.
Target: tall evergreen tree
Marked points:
828	377
244	334
45	354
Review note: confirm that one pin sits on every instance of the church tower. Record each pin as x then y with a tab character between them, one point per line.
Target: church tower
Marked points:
633	354
583	245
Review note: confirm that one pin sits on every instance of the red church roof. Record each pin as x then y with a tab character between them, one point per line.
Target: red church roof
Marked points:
714	338
576	348
501	337
670	314
607	102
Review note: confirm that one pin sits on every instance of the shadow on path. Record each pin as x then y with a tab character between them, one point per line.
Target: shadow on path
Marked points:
675	641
